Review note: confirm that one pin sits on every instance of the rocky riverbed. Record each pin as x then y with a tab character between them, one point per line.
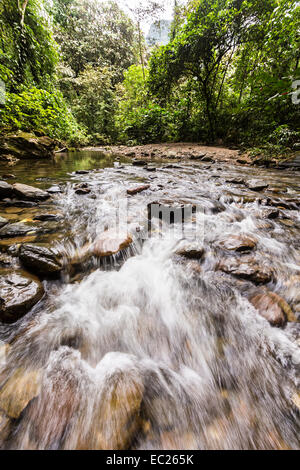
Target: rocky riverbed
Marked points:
149	301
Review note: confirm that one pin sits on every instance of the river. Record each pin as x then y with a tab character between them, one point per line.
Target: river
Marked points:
159	346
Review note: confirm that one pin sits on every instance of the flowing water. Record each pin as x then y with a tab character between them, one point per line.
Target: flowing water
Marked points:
148	349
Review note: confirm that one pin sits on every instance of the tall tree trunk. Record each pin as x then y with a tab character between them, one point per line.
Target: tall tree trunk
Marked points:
22	5
141	49
174	32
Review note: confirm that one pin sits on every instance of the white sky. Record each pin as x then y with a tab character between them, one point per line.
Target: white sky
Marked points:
168	5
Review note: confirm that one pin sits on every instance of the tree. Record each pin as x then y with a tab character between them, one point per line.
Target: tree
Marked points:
142	12
228	46
94	33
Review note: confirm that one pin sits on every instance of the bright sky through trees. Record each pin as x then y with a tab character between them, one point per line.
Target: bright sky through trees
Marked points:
168	5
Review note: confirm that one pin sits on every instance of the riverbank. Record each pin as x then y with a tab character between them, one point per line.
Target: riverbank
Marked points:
182	151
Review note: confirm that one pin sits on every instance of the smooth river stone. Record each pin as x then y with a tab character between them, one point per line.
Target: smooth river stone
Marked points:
29	192
19	292
239	243
40	260
246	268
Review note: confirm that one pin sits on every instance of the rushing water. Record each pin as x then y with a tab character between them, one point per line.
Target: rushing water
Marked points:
148	350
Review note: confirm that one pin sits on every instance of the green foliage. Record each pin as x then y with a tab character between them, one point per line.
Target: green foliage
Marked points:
27	51
226	74
95	102
91	33
237	59
33	109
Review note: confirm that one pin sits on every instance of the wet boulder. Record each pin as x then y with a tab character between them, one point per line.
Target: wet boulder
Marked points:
110	243
137	190
54	190
6	190
257	185
48	217
19	292
273	308
107	244
5	260
23	145
239	243
191	250
29	193
271	214
17	230
41	260
247	268
137	162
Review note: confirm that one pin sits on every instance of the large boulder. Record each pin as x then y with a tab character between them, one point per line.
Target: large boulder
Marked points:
29	193
40	260
247	268
19	292
25	145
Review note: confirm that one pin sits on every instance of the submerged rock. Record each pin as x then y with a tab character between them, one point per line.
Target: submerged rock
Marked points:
29	192
246	268
3	222
17	230
273	308
40	260
22	386
19	292
117	416
23	145
137	190
239	243
271	214
5	423
235	181
296	400
191	251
